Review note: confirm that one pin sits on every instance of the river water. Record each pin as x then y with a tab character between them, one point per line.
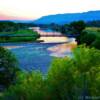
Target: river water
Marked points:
38	56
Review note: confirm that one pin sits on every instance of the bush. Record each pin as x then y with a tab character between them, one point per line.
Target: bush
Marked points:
67	79
77	27
78	77
87	38
29	86
87	62
90	37
60	79
96	43
8	67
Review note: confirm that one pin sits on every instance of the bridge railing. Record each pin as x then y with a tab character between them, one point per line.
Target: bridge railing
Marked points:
52	35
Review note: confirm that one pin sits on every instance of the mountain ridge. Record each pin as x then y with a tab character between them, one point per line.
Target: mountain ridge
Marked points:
69	17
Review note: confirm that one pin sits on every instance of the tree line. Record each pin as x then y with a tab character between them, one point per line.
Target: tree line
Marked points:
9	26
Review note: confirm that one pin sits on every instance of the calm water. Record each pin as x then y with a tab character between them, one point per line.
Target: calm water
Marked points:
32	56
37	56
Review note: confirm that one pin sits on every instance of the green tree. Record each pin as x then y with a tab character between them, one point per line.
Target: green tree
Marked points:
96	43
60	80
87	62
67	79
75	78
87	38
8	67
29	86
77	27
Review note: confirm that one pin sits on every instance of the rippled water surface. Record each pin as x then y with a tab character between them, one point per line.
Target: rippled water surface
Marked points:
38	56
33	56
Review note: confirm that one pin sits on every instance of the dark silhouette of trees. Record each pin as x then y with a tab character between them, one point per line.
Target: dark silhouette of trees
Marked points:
77	27
8	26
8	68
95	23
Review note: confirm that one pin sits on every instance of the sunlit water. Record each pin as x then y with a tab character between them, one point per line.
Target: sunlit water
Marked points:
38	56
54	39
32	56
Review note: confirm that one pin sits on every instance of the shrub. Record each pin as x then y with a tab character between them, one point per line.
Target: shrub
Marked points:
61	80
87	38
77	26
74	78
8	67
67	79
29	86
96	43
87	62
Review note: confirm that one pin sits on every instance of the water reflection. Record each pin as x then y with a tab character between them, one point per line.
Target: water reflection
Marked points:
63	50
50	39
38	56
53	39
60	50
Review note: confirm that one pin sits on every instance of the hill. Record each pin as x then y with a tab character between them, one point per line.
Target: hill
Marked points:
69	17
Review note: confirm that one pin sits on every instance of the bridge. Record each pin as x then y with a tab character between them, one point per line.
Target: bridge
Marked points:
52	35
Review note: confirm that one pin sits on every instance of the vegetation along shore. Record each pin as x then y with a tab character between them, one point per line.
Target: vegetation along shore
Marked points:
67	78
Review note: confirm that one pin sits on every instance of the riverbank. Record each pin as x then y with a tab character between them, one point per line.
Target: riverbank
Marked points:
22	35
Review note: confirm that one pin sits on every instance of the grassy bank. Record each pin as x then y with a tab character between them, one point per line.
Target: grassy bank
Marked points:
24	35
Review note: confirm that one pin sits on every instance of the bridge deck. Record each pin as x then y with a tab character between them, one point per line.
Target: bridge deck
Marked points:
52	35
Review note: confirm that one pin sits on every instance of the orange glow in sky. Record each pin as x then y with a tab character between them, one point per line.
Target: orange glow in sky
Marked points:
32	9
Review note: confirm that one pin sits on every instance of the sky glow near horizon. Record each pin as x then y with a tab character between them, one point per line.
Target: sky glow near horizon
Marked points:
32	9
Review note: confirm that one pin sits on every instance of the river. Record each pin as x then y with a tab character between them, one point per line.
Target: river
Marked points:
38	56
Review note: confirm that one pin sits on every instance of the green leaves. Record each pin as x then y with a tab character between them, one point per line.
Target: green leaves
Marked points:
8	67
77	27
67	79
86	58
29	86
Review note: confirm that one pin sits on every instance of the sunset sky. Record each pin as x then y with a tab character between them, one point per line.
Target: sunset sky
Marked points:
32	9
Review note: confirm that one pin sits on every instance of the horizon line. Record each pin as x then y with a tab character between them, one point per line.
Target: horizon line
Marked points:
4	17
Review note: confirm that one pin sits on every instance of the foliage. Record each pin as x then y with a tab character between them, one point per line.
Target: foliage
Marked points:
67	79
29	86
60	79
86	38
10	26
96	43
87	62
77	27
76	77
9	29
22	35
25	32
95	23
8	67
6	26
73	28
90	36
